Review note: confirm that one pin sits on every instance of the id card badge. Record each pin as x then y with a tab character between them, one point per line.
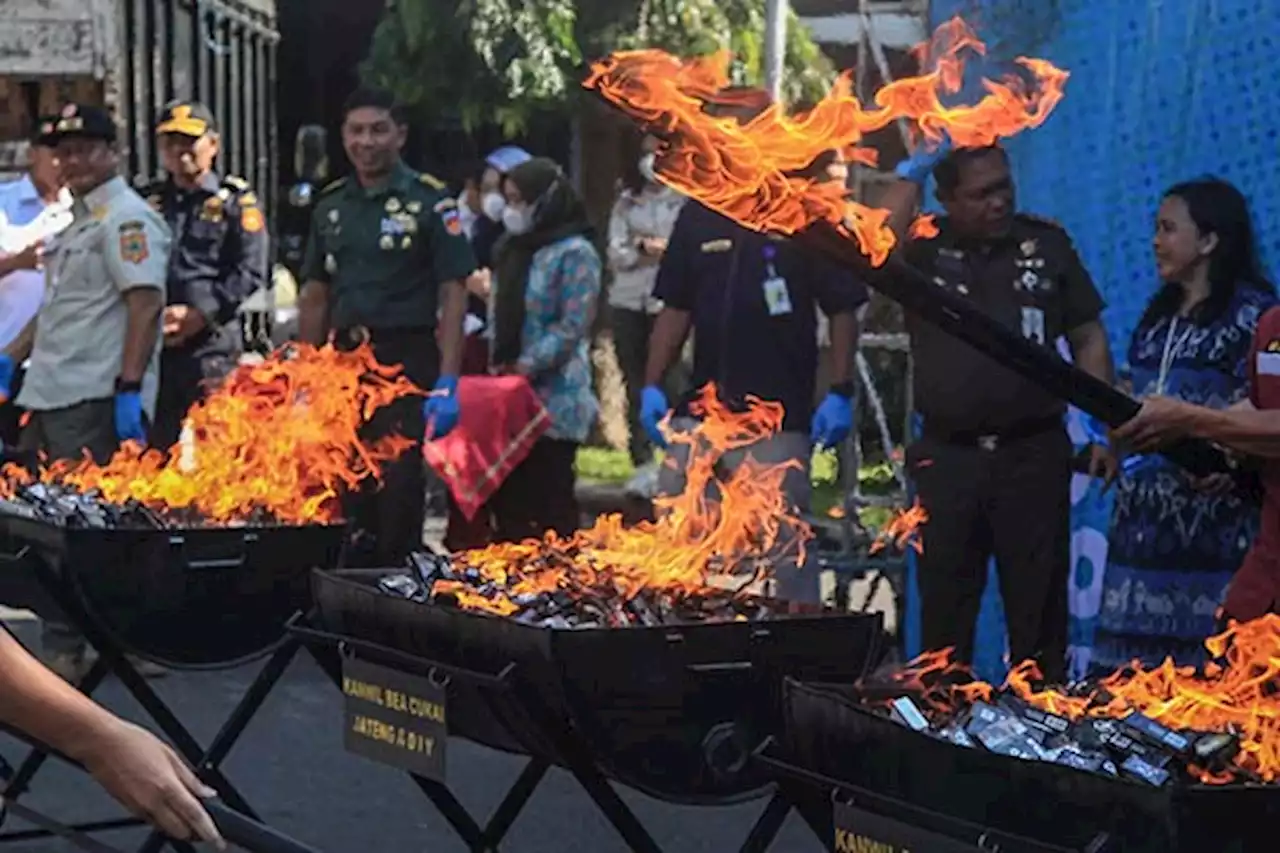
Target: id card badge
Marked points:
1033	324
776	296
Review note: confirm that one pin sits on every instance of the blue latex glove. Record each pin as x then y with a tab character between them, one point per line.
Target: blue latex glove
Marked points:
832	422
653	408
129	417
441	410
6	377
919	166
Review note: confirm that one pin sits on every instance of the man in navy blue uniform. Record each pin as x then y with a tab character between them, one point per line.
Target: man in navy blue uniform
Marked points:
752	302
220	256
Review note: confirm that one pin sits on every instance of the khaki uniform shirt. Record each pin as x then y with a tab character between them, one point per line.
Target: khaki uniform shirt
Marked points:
115	243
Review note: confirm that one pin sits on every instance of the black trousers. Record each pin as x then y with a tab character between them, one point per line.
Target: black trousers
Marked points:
538	495
387	516
631	331
185	379
1012	503
10	413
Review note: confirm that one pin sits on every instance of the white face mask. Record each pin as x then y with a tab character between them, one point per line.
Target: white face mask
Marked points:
516	220
493	204
647	166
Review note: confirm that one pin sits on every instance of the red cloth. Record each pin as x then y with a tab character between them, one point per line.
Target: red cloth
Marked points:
500	419
1255	588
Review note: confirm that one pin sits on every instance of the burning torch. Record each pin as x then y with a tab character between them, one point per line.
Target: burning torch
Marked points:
751	172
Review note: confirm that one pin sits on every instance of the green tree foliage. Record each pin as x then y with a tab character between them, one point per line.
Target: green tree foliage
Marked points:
500	61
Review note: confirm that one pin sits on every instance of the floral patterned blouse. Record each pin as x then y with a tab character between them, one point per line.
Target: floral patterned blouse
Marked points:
560	306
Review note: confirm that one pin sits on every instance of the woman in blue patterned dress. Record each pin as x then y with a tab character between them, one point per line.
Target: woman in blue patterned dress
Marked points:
1175	542
546	287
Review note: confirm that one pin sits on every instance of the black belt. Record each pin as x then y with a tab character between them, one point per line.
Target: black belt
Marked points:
996	437
350	337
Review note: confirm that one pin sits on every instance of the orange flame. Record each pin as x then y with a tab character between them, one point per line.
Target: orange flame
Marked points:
924	227
715	526
1239	694
749	171
278	438
902	530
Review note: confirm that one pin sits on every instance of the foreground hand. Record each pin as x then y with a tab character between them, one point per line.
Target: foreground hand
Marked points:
181	323
30	258
653	408
150	780
832	421
653	246
1104	465
1160	421
6	377
479	283
129	417
441	408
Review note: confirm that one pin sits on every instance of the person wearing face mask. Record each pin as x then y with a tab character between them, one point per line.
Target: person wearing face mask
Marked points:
220	257
1176	541
546	287
483	194
639	228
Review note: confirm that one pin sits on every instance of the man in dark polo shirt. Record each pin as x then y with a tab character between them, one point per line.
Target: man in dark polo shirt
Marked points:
992	467
387	254
751	301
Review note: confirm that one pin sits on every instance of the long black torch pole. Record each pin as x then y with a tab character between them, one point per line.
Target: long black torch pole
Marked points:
913	290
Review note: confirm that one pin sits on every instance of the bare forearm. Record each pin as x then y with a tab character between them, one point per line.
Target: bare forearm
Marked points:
19	349
1249	431
313	313
453	311
844	346
144	305
669	332
42	705
902	200
1092	352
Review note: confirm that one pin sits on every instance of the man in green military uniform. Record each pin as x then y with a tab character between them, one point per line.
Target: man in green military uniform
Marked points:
386	261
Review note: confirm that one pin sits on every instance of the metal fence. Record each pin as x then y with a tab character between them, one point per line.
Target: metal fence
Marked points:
221	52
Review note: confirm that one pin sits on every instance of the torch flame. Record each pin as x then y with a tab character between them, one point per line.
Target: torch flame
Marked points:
903	530
1238	692
748	171
279	438
716	526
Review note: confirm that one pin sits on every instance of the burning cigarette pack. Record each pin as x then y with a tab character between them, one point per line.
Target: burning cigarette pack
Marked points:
1166	726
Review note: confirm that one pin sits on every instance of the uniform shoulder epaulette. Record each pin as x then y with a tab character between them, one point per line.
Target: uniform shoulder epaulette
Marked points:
1044	221
333	185
236	183
431	181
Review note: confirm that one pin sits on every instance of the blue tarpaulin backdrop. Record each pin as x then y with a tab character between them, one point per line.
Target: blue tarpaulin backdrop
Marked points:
1160	91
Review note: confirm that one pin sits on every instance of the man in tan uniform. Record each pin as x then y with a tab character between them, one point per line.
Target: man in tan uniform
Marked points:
95	343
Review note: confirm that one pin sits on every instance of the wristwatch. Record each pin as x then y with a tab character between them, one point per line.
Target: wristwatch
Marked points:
125	386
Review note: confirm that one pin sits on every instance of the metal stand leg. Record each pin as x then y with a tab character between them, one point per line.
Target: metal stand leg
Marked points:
768	825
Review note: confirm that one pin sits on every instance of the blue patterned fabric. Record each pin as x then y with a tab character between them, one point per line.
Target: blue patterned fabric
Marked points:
560	306
1159	93
1172	548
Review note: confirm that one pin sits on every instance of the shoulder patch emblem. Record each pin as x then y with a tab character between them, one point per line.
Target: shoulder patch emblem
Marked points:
452	222
133	242
251	220
431	181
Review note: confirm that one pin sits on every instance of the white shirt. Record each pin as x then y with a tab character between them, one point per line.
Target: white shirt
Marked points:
24	219
649	214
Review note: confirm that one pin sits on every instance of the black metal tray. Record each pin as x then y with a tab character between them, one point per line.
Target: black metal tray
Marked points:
191	598
673	711
828	732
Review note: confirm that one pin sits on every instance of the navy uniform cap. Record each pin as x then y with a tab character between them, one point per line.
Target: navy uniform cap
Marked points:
83	120
188	118
44	132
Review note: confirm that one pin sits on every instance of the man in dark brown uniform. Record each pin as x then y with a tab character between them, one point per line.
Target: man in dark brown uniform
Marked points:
992	466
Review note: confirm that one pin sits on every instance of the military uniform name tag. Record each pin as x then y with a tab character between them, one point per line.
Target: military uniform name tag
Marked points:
777	297
1033	324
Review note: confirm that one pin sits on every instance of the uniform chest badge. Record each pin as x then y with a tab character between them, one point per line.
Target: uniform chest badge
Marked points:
211	210
386	241
1029	247
330	264
408	224
414	207
393	205
406	241
1030	282
716	246
333	216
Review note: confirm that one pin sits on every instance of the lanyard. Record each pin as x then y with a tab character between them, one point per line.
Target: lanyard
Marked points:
770	252
1171	350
